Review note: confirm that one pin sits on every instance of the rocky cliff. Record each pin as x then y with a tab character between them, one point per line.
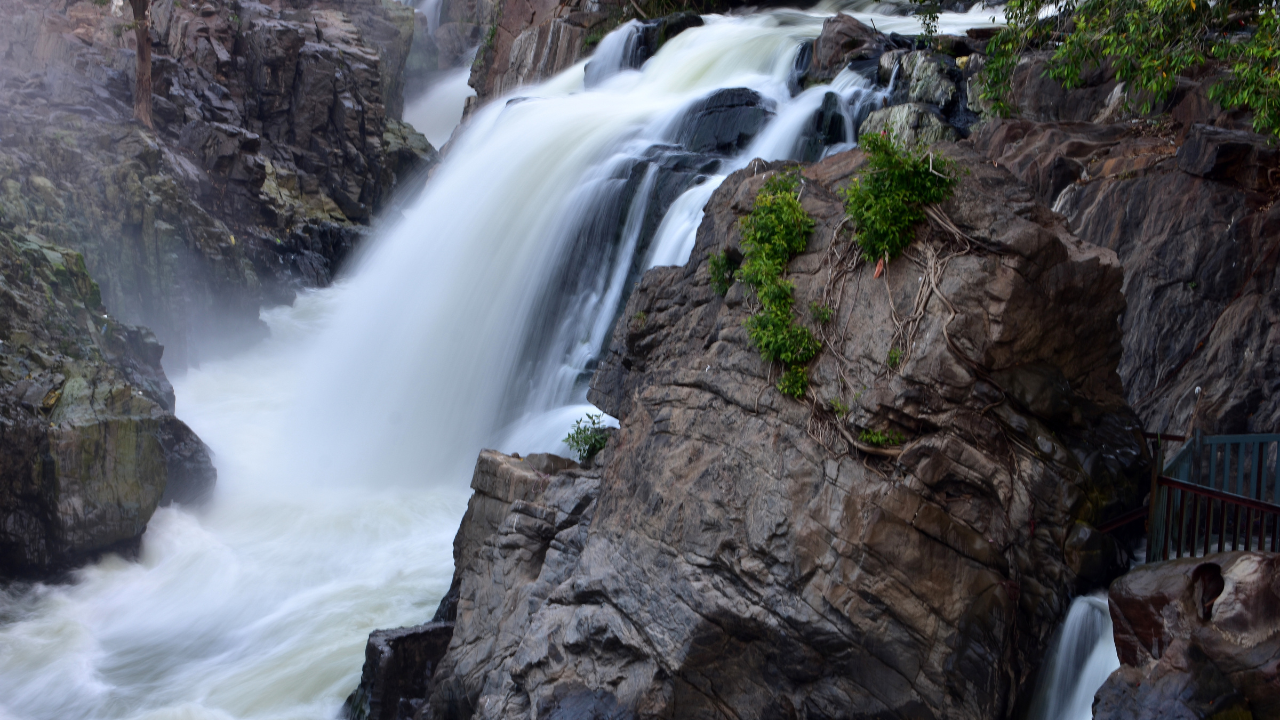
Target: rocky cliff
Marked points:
738	553
89	445
277	136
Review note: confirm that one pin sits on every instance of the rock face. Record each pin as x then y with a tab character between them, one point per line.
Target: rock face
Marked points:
89	445
1186	207
275	139
739	554
844	40
1197	638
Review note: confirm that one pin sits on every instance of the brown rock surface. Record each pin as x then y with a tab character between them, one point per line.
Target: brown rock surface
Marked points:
1199	245
1196	637
741	554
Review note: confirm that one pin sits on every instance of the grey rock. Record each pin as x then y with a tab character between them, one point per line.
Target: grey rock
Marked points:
910	124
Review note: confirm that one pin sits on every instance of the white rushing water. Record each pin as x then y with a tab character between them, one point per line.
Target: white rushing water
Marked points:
345	443
1082	657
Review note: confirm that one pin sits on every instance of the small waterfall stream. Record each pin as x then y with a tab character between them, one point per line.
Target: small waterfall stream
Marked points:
346	441
1081	658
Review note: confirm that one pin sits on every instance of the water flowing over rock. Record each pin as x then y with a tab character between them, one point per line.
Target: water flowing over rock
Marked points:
736	553
89	445
1198	638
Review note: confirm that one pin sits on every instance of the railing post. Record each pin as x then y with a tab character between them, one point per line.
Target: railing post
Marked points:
1153	522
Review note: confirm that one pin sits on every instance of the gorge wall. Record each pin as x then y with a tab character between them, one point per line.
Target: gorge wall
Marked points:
277	136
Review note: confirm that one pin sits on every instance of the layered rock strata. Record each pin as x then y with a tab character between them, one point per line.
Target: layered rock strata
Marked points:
89	445
741	554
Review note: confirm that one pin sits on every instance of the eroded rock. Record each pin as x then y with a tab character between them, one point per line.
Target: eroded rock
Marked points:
1197	638
89	445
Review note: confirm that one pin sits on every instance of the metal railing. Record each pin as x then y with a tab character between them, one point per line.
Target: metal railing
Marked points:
1217	494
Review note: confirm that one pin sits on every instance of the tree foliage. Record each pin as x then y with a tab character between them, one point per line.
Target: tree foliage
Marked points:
1147	43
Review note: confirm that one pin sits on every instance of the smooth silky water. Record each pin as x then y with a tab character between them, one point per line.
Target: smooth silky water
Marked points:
345	442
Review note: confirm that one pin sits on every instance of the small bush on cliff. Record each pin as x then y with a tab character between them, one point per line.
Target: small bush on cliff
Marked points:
588	436
888	201
1148	43
721	268
777	230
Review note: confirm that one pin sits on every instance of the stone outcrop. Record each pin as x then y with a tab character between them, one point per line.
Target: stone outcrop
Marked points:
1197	638
89	445
276	137
1187	207
844	41
736	553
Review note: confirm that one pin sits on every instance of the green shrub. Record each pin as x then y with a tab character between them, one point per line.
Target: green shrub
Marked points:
777	229
894	359
888	200
588	436
821	313
721	268
928	14
1148	43
877	438
838	406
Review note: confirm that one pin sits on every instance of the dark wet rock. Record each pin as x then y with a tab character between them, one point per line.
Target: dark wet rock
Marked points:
398	666
736	553
89	445
1199	250
825	129
1232	156
724	122
1198	638
843	40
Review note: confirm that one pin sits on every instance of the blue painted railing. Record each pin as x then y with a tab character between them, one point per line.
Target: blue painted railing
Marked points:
1217	494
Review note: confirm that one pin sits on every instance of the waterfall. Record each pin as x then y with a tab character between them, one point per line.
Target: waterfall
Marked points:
1081	658
346	441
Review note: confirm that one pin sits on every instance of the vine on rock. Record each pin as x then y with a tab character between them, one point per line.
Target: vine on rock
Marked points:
777	230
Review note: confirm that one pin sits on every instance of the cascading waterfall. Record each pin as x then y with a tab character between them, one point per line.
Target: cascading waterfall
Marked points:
345	442
1082	657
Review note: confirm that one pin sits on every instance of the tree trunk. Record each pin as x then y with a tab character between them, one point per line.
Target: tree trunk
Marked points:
142	89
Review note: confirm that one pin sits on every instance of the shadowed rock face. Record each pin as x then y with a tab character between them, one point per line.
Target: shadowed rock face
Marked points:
276	137
736	553
89	445
1197	637
1188	212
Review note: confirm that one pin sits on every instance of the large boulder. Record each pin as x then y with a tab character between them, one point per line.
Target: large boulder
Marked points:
89	446
844	40
1197	638
911	124
741	554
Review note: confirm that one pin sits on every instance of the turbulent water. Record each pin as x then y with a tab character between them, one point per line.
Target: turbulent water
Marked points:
345	442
